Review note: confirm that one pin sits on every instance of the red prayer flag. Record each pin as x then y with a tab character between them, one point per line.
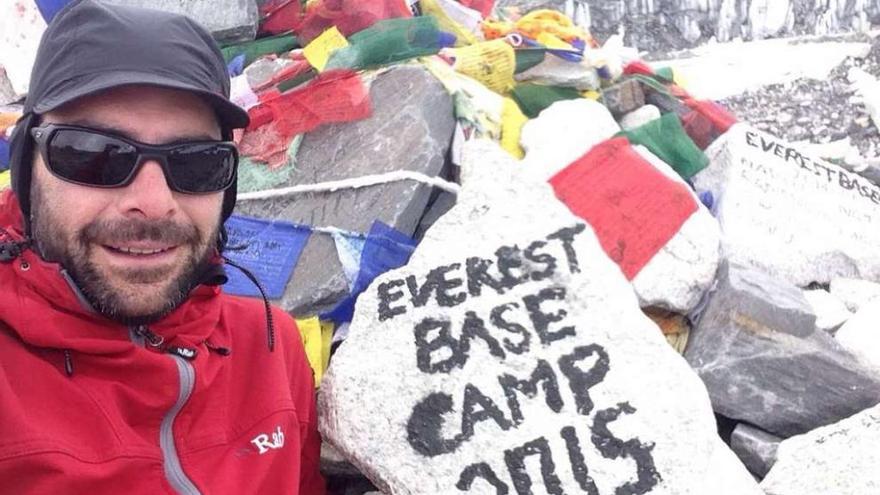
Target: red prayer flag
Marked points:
634	208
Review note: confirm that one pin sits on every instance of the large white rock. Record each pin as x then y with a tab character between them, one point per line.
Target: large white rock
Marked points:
838	459
554	71
853	292
791	215
684	268
21	27
830	311
510	356
860	335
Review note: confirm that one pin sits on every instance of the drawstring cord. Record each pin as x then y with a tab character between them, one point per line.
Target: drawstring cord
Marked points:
270	326
68	363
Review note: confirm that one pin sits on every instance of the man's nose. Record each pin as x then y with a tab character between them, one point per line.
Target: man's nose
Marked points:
148	195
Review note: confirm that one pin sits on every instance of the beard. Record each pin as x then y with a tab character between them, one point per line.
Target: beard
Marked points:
131	296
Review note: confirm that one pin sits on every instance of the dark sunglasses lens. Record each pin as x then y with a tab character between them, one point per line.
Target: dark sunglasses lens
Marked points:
202	168
90	158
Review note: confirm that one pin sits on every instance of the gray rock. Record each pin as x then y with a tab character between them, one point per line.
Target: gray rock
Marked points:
227	20
410	129
839	459
757	349
755	448
7	94
510	356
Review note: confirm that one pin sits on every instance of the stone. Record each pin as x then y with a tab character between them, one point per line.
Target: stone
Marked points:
7	94
842	459
853	292
563	133
511	353
860	335
684	268
830	311
623	97
21	27
793	216
228	21
554	71
410	129
639	117
764	362
755	448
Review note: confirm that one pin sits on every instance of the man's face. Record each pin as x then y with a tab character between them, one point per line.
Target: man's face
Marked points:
135	251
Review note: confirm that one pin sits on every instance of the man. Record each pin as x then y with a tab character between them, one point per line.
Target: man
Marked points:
123	368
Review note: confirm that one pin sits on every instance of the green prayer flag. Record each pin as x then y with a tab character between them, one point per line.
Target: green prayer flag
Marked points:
666	138
534	98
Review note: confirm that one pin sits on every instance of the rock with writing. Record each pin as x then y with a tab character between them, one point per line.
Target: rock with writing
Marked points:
861	335
227	20
410	129
842	459
757	349
629	206
755	447
510	356
796	217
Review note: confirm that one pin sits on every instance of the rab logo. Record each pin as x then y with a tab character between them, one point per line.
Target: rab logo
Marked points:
263	443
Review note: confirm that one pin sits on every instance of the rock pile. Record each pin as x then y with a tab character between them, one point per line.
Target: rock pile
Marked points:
500	225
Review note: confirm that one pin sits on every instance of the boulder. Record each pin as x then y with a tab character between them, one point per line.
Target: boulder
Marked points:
755	448
842	459
639	117
757	349
860	335
228	20
554	71
830	311
410	129
791	215
510	355
683	268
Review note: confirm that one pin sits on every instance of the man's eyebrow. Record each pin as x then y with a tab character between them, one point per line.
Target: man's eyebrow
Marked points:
86	122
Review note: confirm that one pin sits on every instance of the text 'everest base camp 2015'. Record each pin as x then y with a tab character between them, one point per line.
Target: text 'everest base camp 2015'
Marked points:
527	258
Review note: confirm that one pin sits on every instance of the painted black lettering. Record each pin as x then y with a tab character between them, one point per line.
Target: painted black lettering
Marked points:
536	257
509	263
542	320
436	283
576	458
566	236
387	296
425	426
845	182
497	318
478	276
750	139
777	150
582	381
766	145
481	470
477	408
543	375
473	328
516	464
612	447
442	340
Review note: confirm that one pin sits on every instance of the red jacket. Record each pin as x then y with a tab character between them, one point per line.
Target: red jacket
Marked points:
86	407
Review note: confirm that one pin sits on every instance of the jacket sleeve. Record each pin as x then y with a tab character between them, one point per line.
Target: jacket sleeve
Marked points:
302	384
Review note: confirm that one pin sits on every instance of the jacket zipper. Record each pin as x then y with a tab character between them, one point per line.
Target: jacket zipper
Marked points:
178	480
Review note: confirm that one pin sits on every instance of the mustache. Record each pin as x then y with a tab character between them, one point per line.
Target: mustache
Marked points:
111	232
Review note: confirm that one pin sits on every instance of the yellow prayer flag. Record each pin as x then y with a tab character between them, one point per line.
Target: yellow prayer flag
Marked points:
446	23
310	331
553	42
4	179
319	50
327	328
512	122
491	62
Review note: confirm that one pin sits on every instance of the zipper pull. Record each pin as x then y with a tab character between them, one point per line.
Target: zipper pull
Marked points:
151	338
187	353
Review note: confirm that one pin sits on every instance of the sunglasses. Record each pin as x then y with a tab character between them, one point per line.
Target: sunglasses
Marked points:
96	158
